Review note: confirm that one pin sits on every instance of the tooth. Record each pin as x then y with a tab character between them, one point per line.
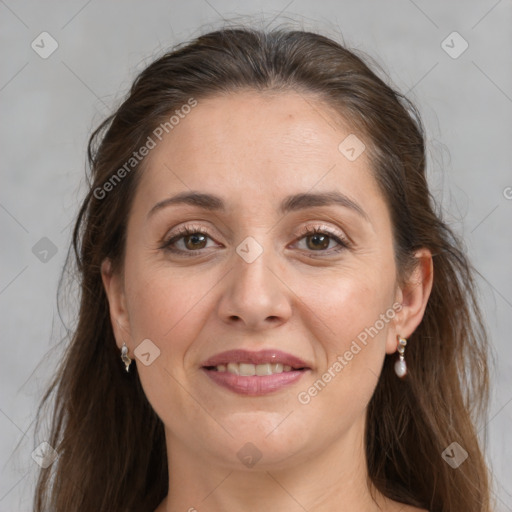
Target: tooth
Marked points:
233	368
264	369
247	369
277	368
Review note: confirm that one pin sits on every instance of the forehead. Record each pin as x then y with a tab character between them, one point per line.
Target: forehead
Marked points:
285	125
259	146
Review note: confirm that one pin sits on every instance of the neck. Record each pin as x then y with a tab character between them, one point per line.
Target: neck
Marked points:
333	480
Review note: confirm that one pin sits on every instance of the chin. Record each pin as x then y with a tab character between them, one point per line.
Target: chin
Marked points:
263	441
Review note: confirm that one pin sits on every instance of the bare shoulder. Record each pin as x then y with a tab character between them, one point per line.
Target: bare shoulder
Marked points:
396	506
401	507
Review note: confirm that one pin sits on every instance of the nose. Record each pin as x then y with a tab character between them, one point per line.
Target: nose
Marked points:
255	295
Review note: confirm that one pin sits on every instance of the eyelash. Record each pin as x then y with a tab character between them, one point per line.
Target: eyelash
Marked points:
342	242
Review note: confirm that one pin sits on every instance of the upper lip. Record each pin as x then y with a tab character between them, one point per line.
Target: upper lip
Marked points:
260	357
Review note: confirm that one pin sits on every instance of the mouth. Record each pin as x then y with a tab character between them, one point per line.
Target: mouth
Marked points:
254	373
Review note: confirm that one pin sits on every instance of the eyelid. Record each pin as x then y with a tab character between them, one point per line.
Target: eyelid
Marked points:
181	232
323	228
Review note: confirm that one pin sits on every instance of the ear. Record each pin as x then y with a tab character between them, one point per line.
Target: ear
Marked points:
114	289
413	296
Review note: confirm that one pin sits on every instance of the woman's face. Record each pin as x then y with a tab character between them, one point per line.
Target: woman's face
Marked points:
251	279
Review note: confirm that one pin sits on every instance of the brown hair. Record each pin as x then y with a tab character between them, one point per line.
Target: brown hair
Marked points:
110	442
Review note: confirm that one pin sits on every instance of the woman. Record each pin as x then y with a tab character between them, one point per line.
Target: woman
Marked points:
273	316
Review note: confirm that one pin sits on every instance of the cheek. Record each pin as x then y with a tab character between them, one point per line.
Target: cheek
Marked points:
163	304
351	302
352	340
168	307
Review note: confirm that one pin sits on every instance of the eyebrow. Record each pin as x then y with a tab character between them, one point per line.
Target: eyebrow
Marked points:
290	203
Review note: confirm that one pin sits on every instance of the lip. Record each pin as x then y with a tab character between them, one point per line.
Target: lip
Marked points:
260	357
255	385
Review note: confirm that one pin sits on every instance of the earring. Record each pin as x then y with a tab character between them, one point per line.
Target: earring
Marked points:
124	356
400	366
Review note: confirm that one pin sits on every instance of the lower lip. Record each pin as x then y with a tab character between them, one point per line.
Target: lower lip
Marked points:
255	385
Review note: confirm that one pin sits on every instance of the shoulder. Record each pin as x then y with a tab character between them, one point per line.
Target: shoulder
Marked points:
409	508
396	506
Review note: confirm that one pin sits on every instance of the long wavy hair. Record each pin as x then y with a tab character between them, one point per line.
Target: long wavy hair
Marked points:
111	443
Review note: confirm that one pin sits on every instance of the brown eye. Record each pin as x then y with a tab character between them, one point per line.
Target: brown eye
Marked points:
187	241
318	241
195	241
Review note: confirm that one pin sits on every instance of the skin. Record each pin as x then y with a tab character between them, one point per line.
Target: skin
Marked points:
298	296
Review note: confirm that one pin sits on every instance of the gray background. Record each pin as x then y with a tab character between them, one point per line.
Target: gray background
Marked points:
49	107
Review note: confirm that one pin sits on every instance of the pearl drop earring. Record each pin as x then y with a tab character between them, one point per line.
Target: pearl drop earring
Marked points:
125	357
400	366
